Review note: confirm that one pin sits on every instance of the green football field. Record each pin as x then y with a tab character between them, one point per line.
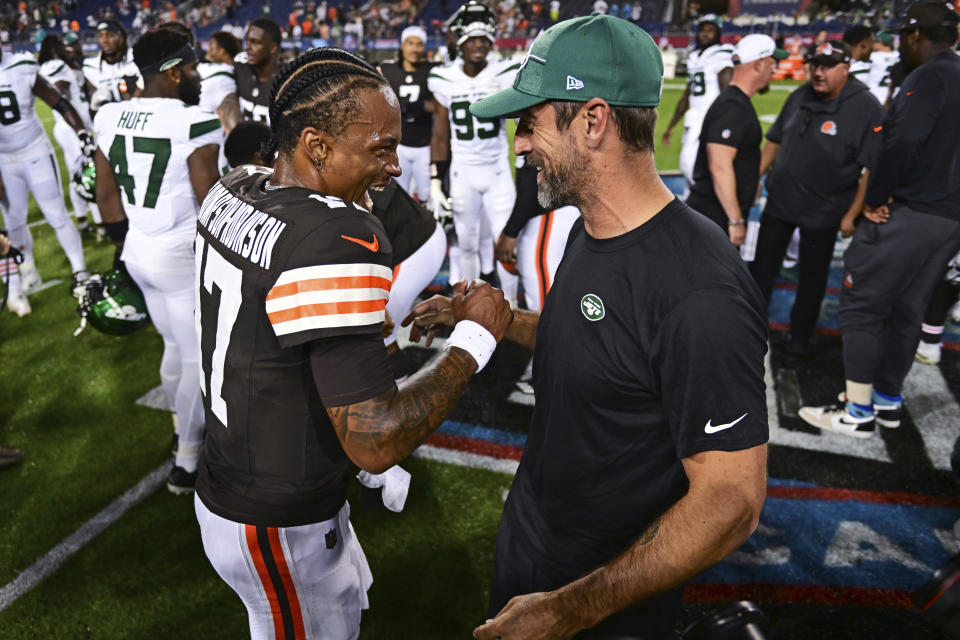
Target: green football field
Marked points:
68	403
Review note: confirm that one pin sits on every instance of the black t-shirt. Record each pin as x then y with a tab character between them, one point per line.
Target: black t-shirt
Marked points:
408	225
649	349
411	89
732	121
254	95
919	160
293	286
824	146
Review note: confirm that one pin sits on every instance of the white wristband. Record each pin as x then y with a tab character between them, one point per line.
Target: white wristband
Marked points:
475	340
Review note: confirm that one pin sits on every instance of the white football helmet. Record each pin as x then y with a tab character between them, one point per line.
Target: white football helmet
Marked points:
472	20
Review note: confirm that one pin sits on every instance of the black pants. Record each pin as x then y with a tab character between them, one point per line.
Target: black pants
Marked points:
944	295
891	271
816	251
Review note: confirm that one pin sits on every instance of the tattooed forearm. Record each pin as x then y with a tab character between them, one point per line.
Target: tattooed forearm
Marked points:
384	430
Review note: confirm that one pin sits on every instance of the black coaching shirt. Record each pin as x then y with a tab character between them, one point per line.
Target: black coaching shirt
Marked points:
408	225
649	349
411	89
291	284
253	95
824	147
732	121
920	156
526	206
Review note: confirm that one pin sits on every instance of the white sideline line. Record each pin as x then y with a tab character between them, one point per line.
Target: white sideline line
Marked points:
154	399
46	284
937	421
465	459
48	563
773	87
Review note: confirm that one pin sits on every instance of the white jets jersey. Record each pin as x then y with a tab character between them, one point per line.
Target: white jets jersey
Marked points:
58	71
879	77
860	69
703	65
216	83
110	76
21	135
147	142
473	140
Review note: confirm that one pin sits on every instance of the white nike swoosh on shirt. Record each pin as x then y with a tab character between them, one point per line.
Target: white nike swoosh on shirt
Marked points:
710	429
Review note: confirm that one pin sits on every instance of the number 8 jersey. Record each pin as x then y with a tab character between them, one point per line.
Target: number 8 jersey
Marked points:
473	140
21	135
703	65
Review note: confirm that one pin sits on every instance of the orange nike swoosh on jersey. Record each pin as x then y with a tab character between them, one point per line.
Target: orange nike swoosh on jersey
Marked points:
876	129
372	246
910	93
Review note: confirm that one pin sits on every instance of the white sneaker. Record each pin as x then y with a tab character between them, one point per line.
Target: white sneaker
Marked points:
837	418
19	305
29	277
928	353
955	314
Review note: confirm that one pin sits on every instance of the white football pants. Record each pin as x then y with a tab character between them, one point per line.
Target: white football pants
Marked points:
67	138
482	199
170	299
412	276
40	177
306	582
540	246
415	171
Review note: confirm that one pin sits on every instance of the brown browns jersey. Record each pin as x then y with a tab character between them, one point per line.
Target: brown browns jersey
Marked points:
279	270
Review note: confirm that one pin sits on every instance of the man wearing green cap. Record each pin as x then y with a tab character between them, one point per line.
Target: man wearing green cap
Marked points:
646	459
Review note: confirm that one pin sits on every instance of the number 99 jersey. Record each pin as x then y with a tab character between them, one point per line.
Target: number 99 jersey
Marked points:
21	135
283	274
473	140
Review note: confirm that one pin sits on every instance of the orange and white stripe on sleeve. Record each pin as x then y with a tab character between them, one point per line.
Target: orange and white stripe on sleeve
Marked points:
329	296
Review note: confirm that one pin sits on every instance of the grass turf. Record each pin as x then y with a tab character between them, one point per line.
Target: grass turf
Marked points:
68	402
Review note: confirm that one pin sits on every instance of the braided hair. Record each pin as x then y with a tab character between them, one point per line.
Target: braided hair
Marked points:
318	89
49	48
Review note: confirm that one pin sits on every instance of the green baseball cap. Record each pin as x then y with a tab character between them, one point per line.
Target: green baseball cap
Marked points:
70	37
596	56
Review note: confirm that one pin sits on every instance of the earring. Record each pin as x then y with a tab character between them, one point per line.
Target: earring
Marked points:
318	164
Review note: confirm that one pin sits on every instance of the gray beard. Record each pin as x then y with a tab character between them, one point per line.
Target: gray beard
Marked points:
553	192
564	184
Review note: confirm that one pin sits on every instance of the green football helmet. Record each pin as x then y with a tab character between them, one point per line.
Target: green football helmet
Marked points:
111	302
84	181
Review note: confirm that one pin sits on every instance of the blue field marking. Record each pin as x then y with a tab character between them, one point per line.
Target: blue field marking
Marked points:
841	543
476	432
818	542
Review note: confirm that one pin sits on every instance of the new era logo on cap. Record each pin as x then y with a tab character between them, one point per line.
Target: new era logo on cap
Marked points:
595	56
